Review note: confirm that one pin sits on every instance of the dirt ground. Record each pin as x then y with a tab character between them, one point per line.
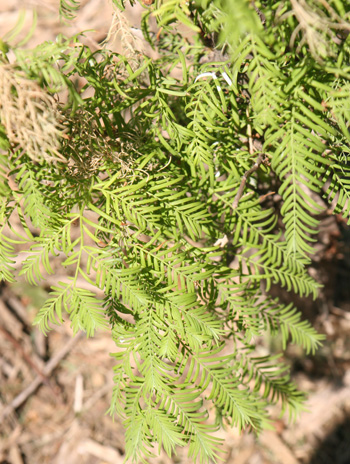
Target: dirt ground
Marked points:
55	390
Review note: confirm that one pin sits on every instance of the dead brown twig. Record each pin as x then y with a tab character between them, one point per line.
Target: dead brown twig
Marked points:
24	355
46	371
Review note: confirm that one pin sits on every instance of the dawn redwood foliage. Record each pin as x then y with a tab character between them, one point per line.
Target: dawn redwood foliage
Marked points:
181	188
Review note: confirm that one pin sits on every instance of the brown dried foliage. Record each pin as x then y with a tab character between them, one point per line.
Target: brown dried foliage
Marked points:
90	147
29	115
318	25
120	29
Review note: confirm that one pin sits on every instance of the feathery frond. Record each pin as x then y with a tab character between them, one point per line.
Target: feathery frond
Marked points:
183	187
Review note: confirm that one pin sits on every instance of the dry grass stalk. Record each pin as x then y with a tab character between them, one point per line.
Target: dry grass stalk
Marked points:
29	115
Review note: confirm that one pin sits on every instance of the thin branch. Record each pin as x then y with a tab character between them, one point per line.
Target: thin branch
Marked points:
261	15
244	180
24	355
221	242
47	370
